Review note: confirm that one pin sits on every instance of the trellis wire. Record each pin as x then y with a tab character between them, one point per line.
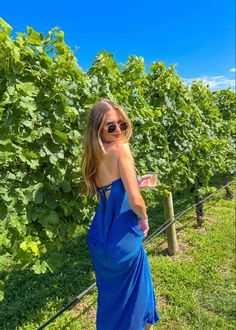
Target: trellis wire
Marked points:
168	222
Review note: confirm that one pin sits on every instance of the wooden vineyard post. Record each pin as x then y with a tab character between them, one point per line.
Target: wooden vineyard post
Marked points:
170	231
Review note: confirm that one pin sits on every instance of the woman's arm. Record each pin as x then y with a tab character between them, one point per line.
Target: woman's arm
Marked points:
129	179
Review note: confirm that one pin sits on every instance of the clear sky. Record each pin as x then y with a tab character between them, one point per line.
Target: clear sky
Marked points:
199	36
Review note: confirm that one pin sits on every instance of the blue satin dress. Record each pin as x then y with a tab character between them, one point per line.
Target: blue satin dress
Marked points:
126	299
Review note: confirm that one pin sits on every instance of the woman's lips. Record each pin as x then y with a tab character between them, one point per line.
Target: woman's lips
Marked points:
116	135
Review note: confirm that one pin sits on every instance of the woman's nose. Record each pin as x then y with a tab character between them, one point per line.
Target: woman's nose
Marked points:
118	128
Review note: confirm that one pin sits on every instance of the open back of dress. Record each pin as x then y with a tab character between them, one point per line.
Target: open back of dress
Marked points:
126	299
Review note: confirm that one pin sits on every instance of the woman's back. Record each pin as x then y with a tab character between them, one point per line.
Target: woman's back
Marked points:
108	170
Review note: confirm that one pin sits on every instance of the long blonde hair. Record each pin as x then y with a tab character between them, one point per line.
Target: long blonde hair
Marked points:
93	149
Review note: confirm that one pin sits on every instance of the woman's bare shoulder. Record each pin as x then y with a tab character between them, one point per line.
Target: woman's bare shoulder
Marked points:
122	149
120	145
117	149
115	146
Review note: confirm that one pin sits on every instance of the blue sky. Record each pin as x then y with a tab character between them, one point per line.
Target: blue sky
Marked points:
198	36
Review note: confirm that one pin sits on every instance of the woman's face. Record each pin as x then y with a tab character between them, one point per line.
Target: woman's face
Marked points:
112	117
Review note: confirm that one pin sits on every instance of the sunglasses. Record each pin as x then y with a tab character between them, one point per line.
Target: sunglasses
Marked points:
112	127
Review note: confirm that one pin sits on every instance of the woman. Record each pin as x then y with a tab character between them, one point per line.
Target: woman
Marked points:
126	299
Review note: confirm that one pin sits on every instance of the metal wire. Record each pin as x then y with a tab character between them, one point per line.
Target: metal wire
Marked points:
156	233
168	222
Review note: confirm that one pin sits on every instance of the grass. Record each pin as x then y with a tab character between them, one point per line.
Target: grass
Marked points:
194	289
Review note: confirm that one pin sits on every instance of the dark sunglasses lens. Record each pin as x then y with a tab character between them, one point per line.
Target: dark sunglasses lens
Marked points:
111	128
123	126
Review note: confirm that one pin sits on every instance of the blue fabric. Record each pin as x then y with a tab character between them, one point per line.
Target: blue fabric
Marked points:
126	299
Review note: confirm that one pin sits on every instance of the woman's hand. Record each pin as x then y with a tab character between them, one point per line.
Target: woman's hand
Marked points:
143	181
143	225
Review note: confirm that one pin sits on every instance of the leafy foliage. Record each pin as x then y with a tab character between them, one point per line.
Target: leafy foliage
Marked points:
44	97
